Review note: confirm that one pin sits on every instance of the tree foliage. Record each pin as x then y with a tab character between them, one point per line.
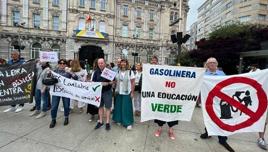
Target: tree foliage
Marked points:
225	44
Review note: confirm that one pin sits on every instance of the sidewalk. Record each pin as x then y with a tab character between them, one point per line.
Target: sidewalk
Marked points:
21	133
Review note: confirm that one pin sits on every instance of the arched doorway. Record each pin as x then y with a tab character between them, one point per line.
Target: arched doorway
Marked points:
90	52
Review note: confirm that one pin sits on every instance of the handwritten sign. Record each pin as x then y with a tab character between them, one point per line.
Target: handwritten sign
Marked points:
108	74
48	56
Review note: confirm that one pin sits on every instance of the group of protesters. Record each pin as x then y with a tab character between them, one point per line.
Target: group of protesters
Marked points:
117	96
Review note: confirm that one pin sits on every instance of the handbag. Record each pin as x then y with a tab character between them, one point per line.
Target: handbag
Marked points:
50	81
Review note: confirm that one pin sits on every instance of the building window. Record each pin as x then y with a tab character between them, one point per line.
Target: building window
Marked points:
125	31
175	17
138	32
262	17
125	10
103	5
56	48
151	15
263	6
36	21
138	11
16	17
93	4
81	3
81	24
55	2
102	27
36	1
36	48
151	33
92	25
244	18
149	57
56	23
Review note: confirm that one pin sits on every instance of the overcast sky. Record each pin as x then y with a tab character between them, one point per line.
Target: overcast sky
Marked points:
192	14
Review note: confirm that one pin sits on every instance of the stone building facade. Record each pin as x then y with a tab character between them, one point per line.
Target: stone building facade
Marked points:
126	27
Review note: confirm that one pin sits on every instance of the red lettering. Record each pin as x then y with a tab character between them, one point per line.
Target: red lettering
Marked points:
170	84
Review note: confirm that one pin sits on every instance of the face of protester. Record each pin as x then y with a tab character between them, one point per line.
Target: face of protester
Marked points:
138	67
154	61
212	66
123	65
15	56
118	62
101	64
62	65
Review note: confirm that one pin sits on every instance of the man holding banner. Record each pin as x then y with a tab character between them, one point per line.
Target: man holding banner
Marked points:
106	95
15	59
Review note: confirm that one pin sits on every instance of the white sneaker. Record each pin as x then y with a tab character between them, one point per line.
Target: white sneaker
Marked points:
36	112
262	144
129	127
19	109
11	109
41	115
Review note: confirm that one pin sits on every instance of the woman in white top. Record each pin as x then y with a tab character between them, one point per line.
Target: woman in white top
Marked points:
82	76
125	83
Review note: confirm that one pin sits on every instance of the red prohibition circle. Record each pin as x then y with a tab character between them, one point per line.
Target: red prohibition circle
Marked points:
254	116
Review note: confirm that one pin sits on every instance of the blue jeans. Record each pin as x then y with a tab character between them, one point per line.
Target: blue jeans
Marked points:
55	105
41	97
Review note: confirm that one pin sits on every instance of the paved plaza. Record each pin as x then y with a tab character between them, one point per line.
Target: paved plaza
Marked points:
21	133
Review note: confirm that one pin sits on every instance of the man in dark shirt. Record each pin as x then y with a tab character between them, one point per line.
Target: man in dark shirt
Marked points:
106	95
15	59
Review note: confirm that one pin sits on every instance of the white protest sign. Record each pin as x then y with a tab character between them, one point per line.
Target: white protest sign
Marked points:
169	93
108	74
48	56
235	104
88	92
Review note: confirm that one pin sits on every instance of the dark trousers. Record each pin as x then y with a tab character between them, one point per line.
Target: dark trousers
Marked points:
55	105
222	139
170	124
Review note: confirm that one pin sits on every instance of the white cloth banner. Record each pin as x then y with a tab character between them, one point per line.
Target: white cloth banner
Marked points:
169	93
108	74
48	56
88	92
235	104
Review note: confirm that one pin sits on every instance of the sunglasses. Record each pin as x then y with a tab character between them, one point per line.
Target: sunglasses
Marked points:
62	63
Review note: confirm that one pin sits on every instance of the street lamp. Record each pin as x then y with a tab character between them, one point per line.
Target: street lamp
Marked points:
135	54
19	47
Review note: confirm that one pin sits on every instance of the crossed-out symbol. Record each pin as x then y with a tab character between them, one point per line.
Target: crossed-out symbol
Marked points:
253	116
97	99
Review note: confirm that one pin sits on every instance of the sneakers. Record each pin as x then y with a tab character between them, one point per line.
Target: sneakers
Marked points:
108	127
204	136
157	133
52	124
129	127
19	109
227	146
92	117
11	109
171	135
36	112
98	125
262	144
41	115
66	121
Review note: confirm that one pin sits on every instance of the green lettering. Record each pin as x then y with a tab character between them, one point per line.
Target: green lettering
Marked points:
160	108
166	108
178	108
154	107
172	108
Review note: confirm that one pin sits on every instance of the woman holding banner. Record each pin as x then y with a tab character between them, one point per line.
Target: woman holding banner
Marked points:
76	69
125	83
160	123
137	96
56	99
